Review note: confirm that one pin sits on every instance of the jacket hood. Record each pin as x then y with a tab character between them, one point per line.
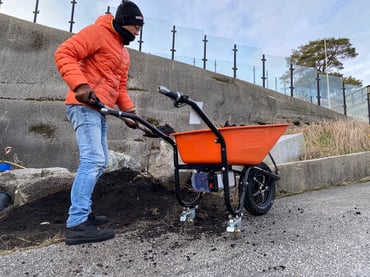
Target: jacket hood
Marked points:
105	20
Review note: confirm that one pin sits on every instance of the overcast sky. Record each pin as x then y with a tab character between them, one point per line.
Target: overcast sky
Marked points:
275	26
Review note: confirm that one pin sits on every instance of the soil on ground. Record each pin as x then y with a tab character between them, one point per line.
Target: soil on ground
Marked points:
130	201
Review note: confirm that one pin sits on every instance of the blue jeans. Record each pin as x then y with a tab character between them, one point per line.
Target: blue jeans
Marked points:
90	127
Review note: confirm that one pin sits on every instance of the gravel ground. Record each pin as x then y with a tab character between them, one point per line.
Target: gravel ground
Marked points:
318	233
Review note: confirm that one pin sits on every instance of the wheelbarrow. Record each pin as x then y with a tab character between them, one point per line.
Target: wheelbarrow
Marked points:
221	159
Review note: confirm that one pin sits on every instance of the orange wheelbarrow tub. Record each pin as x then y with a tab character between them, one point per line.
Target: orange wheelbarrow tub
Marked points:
245	145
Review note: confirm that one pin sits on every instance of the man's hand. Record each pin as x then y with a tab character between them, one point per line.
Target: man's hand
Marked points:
84	94
131	123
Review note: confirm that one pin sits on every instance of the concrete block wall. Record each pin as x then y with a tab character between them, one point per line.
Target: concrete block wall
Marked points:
32	118
321	173
289	148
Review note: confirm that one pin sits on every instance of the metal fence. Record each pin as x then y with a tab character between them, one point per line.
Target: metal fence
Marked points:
163	38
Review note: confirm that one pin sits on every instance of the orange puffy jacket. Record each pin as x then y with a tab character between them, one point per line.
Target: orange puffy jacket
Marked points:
96	56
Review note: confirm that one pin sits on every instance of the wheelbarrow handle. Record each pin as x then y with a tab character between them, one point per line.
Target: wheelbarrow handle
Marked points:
95	101
122	115
175	95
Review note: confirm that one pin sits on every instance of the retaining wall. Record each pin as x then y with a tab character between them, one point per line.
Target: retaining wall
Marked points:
32	118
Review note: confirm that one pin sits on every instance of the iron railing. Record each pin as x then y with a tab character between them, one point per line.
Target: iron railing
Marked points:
246	63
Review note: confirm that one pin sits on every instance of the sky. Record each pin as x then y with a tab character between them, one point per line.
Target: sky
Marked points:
275	26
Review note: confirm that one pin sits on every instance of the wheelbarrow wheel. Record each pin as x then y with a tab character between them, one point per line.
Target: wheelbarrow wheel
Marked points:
260	193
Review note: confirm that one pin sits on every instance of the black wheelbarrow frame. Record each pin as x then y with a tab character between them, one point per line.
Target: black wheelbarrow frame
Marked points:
250	173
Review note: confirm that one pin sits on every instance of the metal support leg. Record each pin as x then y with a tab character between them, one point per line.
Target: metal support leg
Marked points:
234	225
188	215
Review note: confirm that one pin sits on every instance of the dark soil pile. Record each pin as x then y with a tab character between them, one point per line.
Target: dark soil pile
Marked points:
129	200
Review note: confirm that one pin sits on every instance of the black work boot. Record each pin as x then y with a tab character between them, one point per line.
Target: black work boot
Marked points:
97	219
87	232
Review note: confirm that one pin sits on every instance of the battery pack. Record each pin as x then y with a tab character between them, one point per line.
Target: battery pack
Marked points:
200	181
210	181
220	183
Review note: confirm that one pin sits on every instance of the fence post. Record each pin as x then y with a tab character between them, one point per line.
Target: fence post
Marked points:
141	38
205	51
263	71
368	102
173	50
344	98
254	74
318	89
71	22
276	84
215	66
235	68
36	11
291	80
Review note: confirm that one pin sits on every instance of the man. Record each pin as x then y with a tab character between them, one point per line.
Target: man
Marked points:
95	62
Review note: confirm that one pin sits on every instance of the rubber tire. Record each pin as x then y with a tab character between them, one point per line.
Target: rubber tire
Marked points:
254	204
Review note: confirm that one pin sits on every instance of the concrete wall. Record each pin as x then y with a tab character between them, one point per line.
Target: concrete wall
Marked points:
321	173
32	118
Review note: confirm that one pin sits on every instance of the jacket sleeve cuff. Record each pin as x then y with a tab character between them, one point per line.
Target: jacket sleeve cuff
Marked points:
131	110
77	87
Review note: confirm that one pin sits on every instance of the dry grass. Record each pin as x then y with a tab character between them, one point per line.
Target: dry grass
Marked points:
332	138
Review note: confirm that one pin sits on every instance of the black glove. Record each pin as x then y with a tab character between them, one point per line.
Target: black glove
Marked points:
84	94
